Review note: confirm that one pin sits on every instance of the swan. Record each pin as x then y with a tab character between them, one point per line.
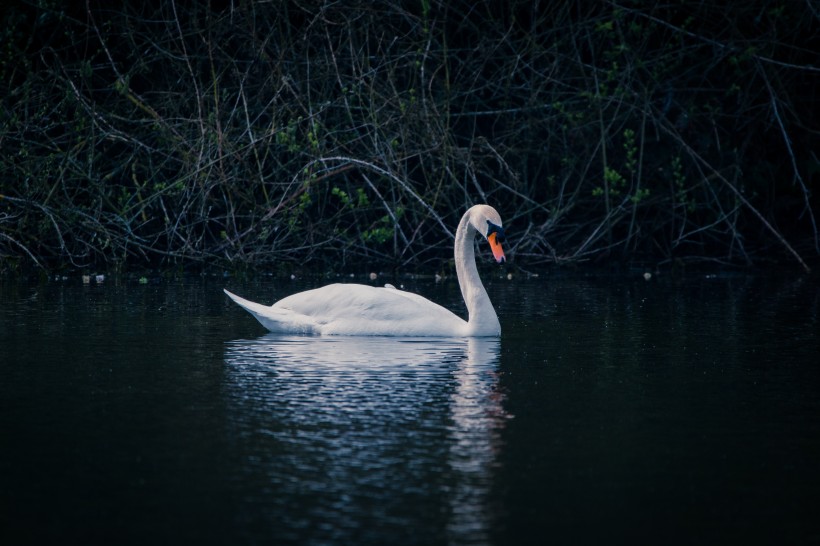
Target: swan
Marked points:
356	309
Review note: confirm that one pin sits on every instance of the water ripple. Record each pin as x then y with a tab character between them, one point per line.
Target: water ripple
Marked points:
341	435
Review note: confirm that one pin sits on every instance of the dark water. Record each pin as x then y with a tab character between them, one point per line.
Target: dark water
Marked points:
610	411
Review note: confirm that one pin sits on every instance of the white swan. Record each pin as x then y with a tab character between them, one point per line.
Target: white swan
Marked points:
355	309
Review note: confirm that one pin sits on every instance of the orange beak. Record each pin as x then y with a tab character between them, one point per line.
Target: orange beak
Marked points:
498	252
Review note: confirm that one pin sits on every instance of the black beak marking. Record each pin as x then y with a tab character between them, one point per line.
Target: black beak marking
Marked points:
498	230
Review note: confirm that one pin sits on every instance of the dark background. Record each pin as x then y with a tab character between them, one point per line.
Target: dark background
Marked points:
296	135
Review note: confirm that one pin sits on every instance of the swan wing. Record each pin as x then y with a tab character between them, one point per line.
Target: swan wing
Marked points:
355	309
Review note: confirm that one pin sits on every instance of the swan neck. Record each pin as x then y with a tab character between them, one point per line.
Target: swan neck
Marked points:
481	316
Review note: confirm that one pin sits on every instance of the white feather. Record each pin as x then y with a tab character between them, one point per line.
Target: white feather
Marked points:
355	309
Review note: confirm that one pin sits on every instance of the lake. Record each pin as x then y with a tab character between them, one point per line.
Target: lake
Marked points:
611	410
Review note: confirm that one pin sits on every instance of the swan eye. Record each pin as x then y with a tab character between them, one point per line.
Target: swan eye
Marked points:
498	230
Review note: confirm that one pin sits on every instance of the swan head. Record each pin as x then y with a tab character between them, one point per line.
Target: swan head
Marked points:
487	222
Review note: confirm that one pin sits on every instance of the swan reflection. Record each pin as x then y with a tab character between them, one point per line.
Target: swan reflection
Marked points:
367	438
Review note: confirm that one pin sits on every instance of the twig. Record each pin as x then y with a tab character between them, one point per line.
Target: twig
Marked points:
788	143
738	194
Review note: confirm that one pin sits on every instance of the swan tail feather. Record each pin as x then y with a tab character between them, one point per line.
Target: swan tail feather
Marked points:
272	318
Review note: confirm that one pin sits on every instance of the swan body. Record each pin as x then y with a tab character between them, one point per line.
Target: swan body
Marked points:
356	309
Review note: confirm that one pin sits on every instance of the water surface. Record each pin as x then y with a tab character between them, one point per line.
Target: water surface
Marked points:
611	410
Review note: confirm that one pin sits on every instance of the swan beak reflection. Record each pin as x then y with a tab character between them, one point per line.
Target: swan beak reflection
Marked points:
495	245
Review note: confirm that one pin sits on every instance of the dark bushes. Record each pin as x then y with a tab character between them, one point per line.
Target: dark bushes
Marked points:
296	132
